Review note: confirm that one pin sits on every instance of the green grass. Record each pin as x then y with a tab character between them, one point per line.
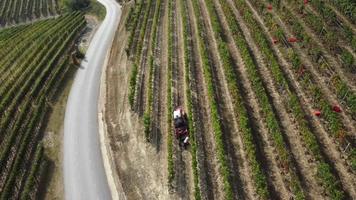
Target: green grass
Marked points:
94	8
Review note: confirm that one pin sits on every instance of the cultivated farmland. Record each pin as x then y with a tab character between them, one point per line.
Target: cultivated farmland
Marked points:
35	63
17	11
270	92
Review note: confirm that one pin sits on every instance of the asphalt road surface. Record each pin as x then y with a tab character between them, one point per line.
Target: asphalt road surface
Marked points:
84	173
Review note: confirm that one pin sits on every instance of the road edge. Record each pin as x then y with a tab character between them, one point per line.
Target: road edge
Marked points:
113	179
112	176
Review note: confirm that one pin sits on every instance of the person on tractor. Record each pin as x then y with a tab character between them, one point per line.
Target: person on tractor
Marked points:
181	126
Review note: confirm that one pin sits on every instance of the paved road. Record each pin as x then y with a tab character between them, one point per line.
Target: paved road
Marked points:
84	173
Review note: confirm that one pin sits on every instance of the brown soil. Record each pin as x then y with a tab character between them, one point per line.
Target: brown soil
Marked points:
182	159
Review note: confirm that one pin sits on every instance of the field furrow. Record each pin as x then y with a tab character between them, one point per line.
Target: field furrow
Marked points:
328	145
333	65
268	89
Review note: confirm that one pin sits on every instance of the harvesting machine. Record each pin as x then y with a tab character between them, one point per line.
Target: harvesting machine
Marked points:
181	127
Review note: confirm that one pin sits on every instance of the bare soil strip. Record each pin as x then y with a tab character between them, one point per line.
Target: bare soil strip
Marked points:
162	53
182	159
187	156
158	126
196	109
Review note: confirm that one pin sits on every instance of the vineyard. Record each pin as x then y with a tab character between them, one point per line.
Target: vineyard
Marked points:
20	11
269	87
35	62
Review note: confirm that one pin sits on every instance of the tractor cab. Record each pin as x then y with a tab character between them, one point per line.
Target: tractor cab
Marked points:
181	126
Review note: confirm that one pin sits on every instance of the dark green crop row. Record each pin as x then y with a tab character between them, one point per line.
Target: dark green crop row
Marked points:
131	17
334	121
138	52
24	80
132	23
18	163
133	80
329	32
13	32
38	72
170	94
35	172
21	39
15	11
25	113
142	34
25	39
348	61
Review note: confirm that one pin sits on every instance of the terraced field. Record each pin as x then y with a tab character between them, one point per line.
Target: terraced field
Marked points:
20	11
269	88
35	63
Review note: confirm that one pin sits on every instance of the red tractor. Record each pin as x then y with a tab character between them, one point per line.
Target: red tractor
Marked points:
181	127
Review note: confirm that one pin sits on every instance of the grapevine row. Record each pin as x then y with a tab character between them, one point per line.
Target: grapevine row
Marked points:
191	118
328	180
25	115
16	11
332	120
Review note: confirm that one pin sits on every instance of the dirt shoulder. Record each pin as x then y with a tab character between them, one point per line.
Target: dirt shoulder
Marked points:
107	154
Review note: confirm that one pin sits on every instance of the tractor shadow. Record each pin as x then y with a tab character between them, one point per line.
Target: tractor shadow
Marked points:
46	179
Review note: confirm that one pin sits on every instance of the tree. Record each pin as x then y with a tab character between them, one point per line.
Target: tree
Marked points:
74	5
